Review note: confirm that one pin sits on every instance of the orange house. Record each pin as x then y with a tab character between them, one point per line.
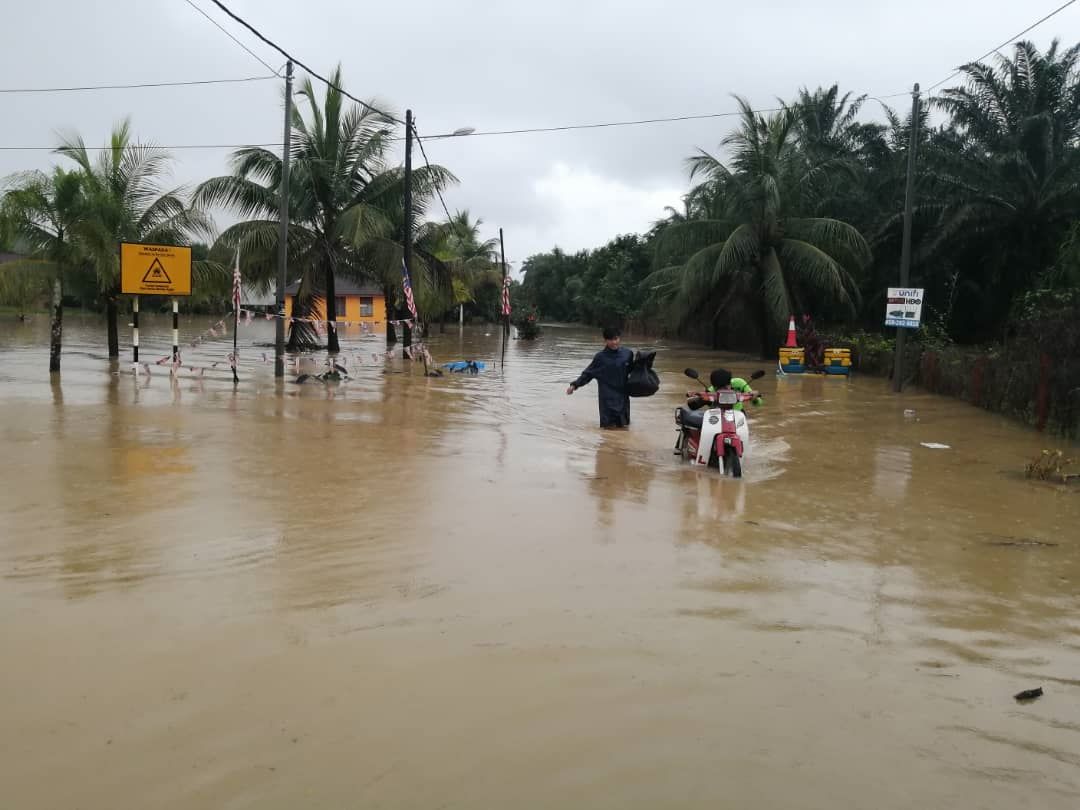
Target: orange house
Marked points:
355	304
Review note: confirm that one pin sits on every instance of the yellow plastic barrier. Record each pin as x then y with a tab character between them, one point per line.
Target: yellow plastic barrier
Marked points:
792	360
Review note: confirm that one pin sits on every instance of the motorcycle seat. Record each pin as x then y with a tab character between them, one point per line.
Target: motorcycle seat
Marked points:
692	419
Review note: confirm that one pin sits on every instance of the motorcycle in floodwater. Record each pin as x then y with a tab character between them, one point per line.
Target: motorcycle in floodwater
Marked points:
711	431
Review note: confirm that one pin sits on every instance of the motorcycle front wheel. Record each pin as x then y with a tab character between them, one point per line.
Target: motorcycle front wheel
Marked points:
732	463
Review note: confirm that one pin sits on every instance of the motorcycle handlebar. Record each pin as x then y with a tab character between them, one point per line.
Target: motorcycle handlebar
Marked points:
710	396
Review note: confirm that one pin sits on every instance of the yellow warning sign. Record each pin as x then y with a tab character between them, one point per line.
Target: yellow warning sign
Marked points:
155	269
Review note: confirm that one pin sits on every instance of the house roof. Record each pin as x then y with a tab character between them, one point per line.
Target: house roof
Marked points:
343	286
250	296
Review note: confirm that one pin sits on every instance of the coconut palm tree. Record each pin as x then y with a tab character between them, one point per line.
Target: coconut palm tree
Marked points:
123	201
749	244
346	203
463	239
1005	176
42	210
472	260
828	125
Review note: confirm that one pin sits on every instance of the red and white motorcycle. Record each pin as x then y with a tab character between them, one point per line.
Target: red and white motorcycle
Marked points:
712	432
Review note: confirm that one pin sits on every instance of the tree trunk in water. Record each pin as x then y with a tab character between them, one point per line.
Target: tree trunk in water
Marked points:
768	348
391	333
442	324
111	317
302	336
57	331
332	344
293	344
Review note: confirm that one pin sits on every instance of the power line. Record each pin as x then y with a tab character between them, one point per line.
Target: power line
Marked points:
443	136
150	145
227	33
289	56
438	190
568	127
602	124
449	135
192	83
1009	41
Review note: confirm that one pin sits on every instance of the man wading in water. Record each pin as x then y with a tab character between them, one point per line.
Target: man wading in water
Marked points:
609	368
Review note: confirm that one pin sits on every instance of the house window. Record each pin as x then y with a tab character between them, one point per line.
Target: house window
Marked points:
339	307
367	307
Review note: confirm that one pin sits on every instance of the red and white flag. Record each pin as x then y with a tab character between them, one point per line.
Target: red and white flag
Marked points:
406	285
506	296
236	284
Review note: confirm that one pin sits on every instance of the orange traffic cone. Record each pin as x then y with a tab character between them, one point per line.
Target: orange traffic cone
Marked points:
791	342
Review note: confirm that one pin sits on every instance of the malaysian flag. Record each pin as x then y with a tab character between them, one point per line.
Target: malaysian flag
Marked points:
406	285
506	296
236	284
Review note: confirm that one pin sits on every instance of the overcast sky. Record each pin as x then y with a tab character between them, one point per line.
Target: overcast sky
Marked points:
490	65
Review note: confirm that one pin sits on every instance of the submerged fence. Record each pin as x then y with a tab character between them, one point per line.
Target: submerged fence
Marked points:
1034	387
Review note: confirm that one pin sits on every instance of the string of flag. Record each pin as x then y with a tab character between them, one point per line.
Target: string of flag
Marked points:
367	323
416	353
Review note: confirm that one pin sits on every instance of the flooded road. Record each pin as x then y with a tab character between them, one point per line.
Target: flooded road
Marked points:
405	592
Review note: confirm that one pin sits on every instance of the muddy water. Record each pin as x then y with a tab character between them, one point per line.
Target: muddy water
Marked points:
403	592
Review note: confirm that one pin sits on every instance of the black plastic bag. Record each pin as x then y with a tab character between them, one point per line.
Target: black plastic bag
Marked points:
642	381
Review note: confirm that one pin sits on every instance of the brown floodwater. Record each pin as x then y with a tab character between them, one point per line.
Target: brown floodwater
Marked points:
405	592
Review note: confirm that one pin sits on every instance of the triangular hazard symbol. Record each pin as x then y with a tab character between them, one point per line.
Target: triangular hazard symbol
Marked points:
156	274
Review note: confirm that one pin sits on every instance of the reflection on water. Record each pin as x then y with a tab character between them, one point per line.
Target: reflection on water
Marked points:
892	471
416	592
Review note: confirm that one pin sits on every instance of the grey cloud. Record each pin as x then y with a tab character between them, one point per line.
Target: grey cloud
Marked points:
491	65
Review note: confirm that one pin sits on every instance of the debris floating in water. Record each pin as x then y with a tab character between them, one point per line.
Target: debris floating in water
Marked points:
1018	542
468	366
935	445
1028	695
1051	465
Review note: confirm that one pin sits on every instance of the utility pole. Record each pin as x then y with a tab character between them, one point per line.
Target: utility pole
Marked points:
283	228
905	249
406	333
502	255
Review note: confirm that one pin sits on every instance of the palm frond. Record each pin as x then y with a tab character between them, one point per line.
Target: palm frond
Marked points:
817	270
244	197
682	239
774	290
739	251
832	236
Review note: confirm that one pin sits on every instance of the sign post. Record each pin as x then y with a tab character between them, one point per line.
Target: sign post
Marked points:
905	246
175	331
903	307
135	330
155	270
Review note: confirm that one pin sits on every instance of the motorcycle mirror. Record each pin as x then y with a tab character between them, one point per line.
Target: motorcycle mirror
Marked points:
757	375
691	373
